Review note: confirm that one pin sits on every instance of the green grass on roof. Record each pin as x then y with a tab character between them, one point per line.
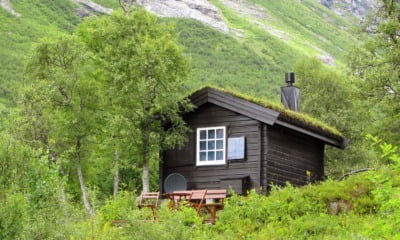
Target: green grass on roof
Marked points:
297	116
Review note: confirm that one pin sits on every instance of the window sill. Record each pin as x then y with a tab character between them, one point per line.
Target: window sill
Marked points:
211	164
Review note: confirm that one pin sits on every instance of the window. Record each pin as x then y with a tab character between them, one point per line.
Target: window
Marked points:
210	146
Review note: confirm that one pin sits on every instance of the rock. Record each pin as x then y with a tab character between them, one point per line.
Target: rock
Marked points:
83	12
237	32
94	7
200	10
340	206
6	4
358	8
326	3
327	59
324	56
257	15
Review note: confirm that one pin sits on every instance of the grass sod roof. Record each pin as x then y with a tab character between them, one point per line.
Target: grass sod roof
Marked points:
297	117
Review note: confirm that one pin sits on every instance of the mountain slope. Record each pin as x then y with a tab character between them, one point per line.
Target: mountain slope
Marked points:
17	34
261	40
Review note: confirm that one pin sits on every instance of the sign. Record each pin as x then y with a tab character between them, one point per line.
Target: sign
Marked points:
236	146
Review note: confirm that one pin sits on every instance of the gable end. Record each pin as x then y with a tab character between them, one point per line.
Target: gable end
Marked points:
234	104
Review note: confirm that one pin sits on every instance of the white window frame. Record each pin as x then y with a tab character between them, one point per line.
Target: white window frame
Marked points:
212	162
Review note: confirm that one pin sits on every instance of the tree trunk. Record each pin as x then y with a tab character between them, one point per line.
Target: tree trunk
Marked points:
80	177
145	177
145	160
116	171
52	156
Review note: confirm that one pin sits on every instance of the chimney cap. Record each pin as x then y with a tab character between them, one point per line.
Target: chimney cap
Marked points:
290	78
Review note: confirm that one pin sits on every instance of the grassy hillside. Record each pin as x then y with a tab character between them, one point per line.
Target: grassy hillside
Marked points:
45	18
254	60
251	59
221	60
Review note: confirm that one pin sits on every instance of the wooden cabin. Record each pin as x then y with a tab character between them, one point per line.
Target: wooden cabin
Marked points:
243	143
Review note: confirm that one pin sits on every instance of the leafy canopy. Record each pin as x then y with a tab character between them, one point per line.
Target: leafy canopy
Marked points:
143	64
376	63
145	71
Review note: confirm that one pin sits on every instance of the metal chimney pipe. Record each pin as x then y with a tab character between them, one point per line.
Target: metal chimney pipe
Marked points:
290	95
290	78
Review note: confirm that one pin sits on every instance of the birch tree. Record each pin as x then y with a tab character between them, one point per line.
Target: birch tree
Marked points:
146	69
61	72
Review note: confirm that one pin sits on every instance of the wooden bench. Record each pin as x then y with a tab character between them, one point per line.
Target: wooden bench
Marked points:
211	200
119	222
216	200
149	199
197	199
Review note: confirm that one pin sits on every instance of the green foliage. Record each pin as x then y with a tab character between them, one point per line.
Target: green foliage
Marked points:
364	206
293	213
119	208
367	202
246	63
221	60
317	83
331	96
387	192
318	26
32	195
62	76
38	19
375	63
146	70
84	87
15	160
13	216
389	154
49	204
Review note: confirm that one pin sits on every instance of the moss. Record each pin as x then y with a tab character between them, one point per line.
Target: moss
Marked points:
302	118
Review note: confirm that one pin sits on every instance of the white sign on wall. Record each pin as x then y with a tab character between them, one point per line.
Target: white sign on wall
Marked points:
236	147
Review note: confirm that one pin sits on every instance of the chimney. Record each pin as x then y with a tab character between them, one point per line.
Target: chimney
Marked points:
290	95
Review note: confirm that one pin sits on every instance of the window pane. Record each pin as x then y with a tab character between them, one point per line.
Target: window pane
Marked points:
203	134
202	145
220	155
211	145
211	156
211	134
220	133
220	144
203	156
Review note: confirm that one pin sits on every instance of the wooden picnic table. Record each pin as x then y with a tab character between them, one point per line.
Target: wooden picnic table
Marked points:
211	200
177	197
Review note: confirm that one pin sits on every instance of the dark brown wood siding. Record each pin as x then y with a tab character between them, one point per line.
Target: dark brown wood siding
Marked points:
264	155
290	155
236	173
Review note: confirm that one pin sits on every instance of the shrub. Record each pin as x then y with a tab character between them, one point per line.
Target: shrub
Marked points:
120	208
13	216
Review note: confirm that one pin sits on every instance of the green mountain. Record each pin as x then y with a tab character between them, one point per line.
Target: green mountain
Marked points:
256	42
